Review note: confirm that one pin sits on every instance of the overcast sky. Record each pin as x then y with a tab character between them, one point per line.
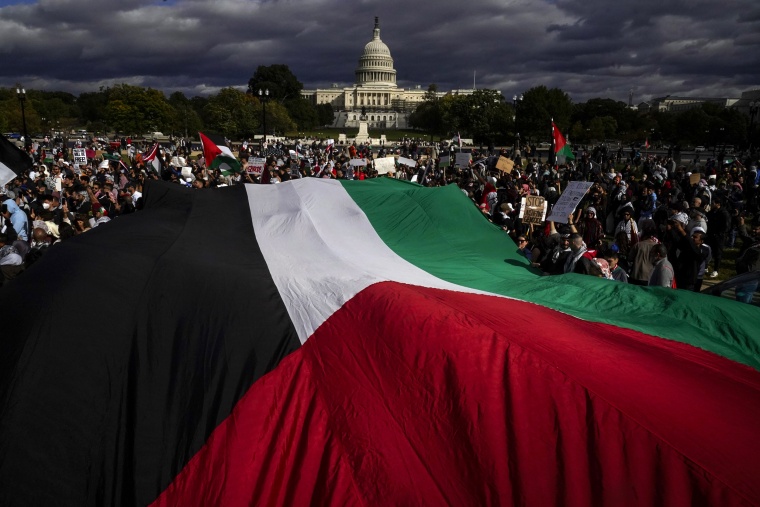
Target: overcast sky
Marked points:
588	48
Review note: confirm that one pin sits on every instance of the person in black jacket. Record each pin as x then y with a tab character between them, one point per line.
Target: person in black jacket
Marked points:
689	257
720	225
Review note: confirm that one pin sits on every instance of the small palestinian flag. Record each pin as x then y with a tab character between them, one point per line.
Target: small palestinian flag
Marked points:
561	149
218	156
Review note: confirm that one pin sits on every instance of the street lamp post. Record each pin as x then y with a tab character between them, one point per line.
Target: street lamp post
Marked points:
264	96
515	100
21	93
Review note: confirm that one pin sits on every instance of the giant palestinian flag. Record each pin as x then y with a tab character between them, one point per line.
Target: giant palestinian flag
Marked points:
360	343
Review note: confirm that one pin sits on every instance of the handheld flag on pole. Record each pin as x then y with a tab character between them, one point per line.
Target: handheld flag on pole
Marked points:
562	150
152	159
218	155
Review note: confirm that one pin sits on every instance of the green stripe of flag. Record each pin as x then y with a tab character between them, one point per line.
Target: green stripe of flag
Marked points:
449	238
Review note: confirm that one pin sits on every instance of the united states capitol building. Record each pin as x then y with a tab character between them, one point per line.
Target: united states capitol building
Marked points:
374	91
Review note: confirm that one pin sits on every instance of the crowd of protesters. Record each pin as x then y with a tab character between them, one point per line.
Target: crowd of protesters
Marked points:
646	220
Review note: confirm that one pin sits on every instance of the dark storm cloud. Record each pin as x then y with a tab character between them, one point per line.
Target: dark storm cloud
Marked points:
588	48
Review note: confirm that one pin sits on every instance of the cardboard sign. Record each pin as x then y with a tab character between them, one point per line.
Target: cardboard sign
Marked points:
358	162
80	156
407	161
694	178
385	165
505	165
463	159
569	200
533	210
445	161
255	165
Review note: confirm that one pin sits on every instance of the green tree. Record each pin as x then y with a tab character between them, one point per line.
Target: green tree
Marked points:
302	112
150	112
187	121
278	79
92	106
233	113
325	114
536	110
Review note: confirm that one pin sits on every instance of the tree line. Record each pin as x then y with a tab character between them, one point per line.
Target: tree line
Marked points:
133	110
486	116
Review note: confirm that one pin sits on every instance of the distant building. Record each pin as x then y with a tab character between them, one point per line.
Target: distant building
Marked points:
678	104
374	91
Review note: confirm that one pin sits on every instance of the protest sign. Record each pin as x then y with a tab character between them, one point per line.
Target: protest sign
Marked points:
80	156
533	209
407	161
694	178
569	200
358	162
505	165
445	161
385	165
463	159
255	165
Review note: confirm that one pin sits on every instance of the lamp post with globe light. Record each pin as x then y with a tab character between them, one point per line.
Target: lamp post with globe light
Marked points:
21	93
264	96
515	101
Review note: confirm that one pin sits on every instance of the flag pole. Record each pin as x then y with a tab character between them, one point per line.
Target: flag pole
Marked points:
552	150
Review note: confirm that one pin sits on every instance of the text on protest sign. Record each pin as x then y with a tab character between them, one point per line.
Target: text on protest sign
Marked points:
80	156
533	209
385	165
255	165
358	162
569	200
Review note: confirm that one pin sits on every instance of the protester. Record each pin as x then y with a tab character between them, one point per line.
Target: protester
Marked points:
662	274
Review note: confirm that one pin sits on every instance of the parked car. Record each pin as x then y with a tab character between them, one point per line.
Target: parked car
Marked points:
743	287
699	149
13	135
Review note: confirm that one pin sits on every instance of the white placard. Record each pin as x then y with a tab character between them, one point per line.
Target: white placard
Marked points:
385	165
80	156
569	200
255	165
358	162
407	161
463	159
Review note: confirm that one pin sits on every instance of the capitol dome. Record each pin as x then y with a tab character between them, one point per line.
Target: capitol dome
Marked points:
376	64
